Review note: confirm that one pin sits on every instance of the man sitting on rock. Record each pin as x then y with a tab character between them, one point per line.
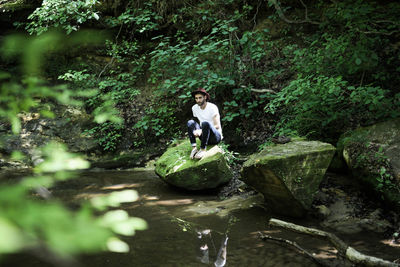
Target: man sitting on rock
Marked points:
209	130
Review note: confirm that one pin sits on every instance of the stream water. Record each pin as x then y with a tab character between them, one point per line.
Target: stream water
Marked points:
195	229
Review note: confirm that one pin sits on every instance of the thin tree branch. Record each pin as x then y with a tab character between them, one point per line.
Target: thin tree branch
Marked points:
362	78
260	90
255	15
377	32
113	58
263	91
378	24
306	9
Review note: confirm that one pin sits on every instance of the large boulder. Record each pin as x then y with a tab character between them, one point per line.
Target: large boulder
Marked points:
373	156
289	175
176	168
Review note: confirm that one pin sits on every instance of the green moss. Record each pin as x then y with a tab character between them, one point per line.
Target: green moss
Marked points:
371	153
289	150
173	157
384	132
178	158
176	168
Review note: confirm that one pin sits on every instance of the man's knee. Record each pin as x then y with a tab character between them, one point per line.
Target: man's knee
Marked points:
205	125
191	123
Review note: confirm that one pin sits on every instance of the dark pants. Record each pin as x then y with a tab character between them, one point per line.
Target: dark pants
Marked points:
209	136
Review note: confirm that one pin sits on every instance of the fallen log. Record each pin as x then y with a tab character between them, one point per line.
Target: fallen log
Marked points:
343	249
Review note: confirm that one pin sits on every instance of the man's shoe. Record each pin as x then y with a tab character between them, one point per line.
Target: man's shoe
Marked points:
200	154
193	153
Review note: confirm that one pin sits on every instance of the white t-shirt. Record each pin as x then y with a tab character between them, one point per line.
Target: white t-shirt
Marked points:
206	114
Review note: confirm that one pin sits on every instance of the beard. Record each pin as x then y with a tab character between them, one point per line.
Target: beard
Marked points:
201	103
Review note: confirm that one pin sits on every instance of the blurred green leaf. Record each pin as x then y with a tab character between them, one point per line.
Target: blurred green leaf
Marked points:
114	199
12	239
58	159
116	245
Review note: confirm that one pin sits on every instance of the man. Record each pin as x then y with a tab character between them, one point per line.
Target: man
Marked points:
209	130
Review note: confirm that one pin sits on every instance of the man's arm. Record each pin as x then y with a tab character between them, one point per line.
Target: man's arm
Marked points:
217	121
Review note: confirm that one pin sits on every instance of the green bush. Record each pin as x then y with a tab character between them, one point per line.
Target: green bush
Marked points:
159	122
113	91
107	134
345	72
319	106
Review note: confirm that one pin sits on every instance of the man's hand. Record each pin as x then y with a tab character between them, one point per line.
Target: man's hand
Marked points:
197	132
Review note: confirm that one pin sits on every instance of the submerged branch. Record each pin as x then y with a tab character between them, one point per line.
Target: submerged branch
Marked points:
345	250
292	244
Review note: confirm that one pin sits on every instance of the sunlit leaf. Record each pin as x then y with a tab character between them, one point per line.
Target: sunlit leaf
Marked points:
17	155
47	114
15	124
58	159
116	245
12	238
120	222
114	199
123	196
38	181
115	216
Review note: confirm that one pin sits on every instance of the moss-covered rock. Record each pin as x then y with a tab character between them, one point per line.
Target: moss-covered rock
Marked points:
176	168
373	156
289	175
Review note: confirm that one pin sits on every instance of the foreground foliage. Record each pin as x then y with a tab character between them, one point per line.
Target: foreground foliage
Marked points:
26	222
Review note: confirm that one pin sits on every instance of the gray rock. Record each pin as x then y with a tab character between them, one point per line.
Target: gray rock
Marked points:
289	175
343	220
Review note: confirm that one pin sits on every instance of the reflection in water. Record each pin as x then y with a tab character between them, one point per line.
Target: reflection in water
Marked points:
206	239
221	257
